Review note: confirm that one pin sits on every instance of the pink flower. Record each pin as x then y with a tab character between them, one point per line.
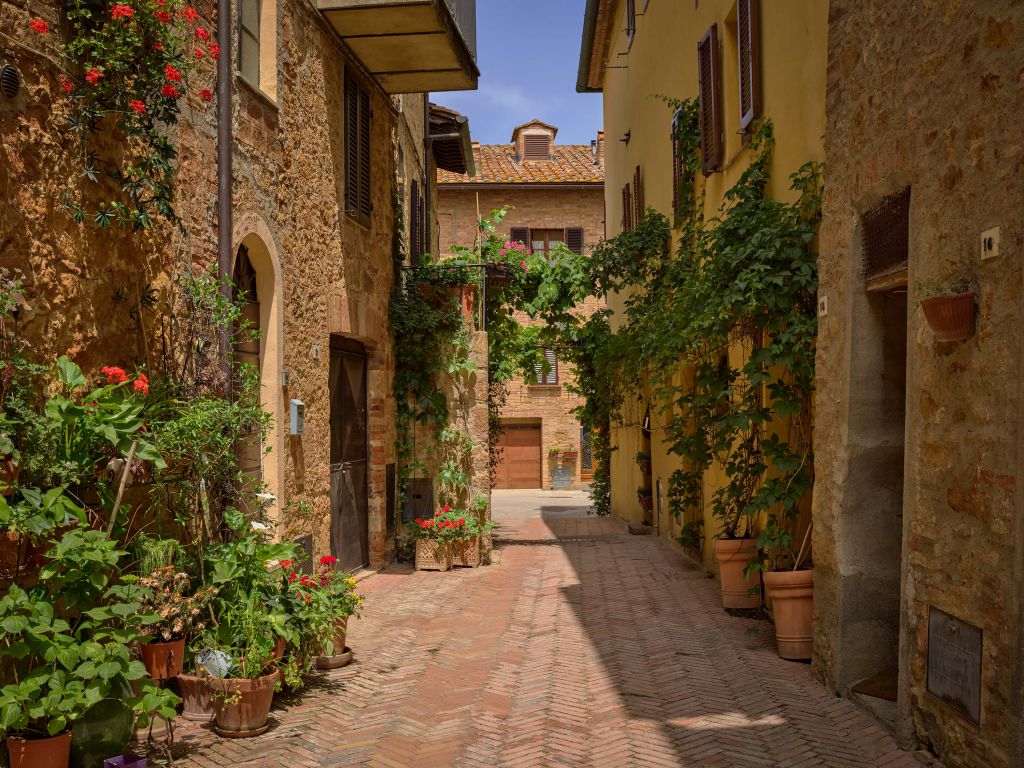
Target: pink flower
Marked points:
136	106
122	12
169	91
173	75
39	26
523	265
206	94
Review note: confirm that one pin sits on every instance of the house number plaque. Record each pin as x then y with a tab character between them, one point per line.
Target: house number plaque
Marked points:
954	663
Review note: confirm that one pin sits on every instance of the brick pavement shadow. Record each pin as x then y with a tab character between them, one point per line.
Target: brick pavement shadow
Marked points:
673	677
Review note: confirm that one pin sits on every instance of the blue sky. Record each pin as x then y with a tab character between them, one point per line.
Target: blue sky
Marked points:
528	54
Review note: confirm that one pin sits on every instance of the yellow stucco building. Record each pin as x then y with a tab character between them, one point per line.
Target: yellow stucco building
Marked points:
760	59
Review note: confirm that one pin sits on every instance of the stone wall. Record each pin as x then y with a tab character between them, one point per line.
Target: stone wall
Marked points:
320	272
925	95
537	207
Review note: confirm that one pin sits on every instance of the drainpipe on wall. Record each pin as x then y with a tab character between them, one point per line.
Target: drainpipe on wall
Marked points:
224	174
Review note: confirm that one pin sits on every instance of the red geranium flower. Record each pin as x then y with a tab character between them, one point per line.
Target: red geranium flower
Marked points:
138	108
418	520
114	374
93	76
446	508
39	26
304	581
198	53
65	85
173	75
328	560
214	51
202	34
122	12
206	94
292	576
287	563
307	598
163	16
169	91
462	521
189	13
141	384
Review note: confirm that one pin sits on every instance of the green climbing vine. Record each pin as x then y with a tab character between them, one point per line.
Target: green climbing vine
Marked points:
721	327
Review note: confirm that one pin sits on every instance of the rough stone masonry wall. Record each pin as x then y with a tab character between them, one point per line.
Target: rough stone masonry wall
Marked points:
929	93
334	275
537	207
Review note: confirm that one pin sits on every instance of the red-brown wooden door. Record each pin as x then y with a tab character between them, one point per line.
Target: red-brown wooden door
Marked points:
520	465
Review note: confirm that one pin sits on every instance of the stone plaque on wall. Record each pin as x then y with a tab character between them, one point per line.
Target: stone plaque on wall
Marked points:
954	663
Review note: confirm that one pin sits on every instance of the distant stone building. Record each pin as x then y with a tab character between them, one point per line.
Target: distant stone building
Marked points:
918	519
556	194
323	144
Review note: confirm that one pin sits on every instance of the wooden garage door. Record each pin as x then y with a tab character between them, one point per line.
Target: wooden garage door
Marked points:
520	457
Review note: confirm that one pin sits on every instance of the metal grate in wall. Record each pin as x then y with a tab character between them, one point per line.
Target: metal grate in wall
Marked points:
586	450
886	234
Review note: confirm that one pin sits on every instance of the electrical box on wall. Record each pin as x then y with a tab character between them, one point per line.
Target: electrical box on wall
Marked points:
297	423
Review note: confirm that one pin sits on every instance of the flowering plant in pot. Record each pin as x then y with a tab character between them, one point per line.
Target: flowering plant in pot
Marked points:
949	307
467	527
643	460
165	593
67	647
434	538
321	604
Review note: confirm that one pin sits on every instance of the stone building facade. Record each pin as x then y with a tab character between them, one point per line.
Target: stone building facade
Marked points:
555	195
322	271
918	526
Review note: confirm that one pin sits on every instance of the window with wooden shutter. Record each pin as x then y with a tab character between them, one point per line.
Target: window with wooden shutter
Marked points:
357	151
710	101
630	22
547	372
747	31
536	146
574	239
520	235
677	164
627	208
638	196
415	227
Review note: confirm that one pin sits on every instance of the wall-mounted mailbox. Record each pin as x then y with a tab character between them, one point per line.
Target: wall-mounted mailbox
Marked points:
297	424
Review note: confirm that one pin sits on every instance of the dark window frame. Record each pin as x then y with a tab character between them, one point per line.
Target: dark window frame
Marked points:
551	378
358	121
709	74
250	36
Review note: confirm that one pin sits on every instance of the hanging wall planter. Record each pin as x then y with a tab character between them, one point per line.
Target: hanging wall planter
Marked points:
951	315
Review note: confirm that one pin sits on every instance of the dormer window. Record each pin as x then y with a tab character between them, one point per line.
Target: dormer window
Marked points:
536	146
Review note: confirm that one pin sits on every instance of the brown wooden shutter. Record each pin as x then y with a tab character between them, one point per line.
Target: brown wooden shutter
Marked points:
747	23
638	196
365	203
710	101
677	164
415	228
627	208
574	239
351	147
536	146
549	376
520	235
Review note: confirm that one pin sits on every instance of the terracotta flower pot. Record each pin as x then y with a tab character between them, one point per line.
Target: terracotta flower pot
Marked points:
792	598
54	752
13	552
242	706
279	647
337	661
733	556
433	555
195	696
338	654
163	660
951	316
466	554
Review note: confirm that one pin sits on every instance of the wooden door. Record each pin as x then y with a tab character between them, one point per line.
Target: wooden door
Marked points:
520	465
349	454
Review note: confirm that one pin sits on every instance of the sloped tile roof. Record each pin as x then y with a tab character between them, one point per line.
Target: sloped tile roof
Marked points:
498	164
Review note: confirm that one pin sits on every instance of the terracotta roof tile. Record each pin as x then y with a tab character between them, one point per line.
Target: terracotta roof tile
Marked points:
498	164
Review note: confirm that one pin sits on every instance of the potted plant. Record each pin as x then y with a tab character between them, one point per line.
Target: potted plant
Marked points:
643	460
467	528
165	594
735	550
646	498
25	517
68	661
238	653
434	539
949	309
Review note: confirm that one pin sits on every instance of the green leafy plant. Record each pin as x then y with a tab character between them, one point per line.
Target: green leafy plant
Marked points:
129	67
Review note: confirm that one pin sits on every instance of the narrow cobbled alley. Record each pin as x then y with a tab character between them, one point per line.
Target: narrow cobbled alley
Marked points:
581	646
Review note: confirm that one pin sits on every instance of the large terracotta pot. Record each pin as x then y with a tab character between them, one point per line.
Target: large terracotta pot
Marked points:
466	554
279	647
950	316
242	706
163	660
733	556
433	555
340	633
792	598
53	752
195	696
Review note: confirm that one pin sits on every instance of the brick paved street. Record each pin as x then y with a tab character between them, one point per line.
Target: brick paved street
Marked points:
581	646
